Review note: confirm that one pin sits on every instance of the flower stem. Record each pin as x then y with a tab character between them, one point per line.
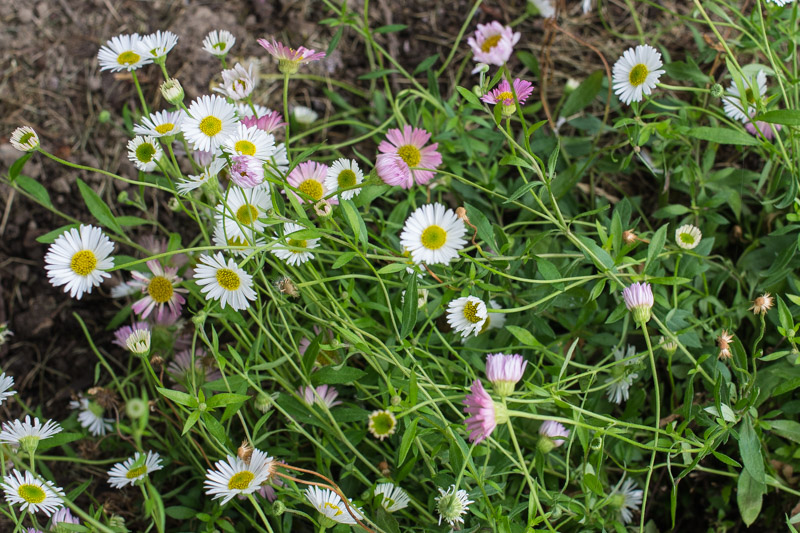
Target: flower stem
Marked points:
657	394
260	512
286	109
141	95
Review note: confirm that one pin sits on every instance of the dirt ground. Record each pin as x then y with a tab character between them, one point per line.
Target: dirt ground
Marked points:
51	81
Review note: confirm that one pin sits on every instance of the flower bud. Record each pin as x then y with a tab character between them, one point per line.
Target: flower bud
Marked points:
717	90
136	408
172	91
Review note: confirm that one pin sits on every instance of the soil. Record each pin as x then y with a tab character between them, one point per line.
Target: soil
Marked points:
51	81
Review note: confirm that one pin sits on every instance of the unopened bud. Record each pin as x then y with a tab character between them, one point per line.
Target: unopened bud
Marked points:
717	90
278	508
173	204
322	208
156	361
135	408
461	213
172	91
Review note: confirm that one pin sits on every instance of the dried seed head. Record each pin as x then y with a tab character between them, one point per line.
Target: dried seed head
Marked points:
723	341
156	362
287	287
383	466
629	237
245	451
461	213
106	398
762	304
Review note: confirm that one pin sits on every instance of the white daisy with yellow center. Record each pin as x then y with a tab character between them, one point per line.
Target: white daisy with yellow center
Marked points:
393	498
242	210
160	124
467	315
433	234
294	250
636	73
27	435
78	260
234	476
192	182
224	281
209	121
331	505
134	469
145	153
157	45
240	243
122	53
24	139
344	177
219	42
688	236
31	494
250	141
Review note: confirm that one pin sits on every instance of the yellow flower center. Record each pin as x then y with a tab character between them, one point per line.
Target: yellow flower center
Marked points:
228	279
31	493
210	125
638	75
490	42
687	238
311	188
128	58
145	152
165	127
160	289
296	244
133	473
505	95
83	262
471	312
245	147
246	214
346	178
240	480
410	154
433	237
329	505
237	240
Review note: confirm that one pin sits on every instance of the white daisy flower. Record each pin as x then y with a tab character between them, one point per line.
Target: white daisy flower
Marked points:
250	141
636	73
122	290
243	209
626	499
331	505
688	236
248	238
294	256
466	315
280	159
546	8
24	139
238	82
393	498
323	394
138	342
27	435
219	42
122	53
211	119
32	494
91	416
304	115
243	109
5	333
233	476
621	379
144	153
134	469
160	124
781	2
452	505
732	105
382	424
433	234
78	259
494	320
342	174
157	45
6	382
223	281
191	182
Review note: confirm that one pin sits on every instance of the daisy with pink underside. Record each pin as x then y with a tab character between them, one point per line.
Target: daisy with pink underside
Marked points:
309	179
159	291
493	43
290	59
409	146
502	94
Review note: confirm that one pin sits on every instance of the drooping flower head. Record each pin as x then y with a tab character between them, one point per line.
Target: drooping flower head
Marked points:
122	53
493	43
759	128
235	476
552	435
344	176
78	259
209	172
210	120
484	413
305	116
409	146
433	234
139	342
762	304
238	82
742	107
172	91
504	371
688	236
159	291
124	333
466	315
134	469
289	59
502	94
636	73
639	300
452	505
246	171
157	45
224	281
294	251
31	494
393	498
621	378
382	424
24	139
204	369
63	516
219	42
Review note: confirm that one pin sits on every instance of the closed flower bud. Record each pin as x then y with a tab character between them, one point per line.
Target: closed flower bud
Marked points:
172	91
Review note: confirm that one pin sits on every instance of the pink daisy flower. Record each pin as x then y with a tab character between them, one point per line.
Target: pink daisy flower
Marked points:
484	413
759	128
289	59
639	300
309	178
269	123
502	94
493	43
122	334
322	394
504	371
246	171
159	291
409	146
205	367
553	435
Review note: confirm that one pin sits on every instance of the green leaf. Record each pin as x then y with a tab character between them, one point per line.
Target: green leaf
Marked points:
386	521
787	117
389	28
788	429
214	427
405	443
354	220
469	96
343	260
226	398
377	74
50	237
191	420
523	335
513	160
601	258
725	459
16	166
583	95
723	136
750	449
179	512
784	315
178	397
409	316
655	247
393	267
786	386
749	494
35	189
58	439
334	376
426	64
529	61
98	207
132	221
480	221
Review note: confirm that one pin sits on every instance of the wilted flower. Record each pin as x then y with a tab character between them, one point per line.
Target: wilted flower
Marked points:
626	500
24	139
323	394
621	379
724	342
762	304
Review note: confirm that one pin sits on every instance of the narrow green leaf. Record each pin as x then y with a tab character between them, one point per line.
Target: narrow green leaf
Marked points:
469	96
377	74
389	28
354	220
178	397
749	495
788	429
426	64
334	376
787	117
405	443
750	449
655	247
226	398
98	208
16	166
191	420
392	267
523	335
35	189
723	136
583	95
343	260
409	315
